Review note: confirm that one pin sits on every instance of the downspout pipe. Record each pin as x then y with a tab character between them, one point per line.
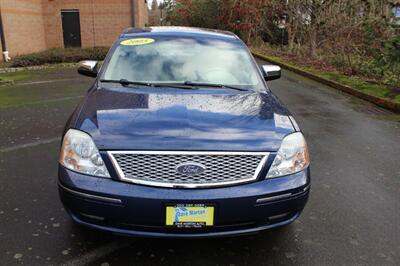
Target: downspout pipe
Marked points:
133	12
6	58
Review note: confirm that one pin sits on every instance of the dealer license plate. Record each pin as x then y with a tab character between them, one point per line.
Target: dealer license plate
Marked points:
190	215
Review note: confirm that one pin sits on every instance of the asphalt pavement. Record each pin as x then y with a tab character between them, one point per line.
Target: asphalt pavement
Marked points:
352	217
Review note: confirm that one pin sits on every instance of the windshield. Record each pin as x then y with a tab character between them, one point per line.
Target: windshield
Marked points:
179	60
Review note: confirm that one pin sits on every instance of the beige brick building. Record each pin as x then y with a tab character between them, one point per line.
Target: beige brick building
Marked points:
36	25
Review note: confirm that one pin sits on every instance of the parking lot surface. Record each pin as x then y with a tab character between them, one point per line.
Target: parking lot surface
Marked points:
352	217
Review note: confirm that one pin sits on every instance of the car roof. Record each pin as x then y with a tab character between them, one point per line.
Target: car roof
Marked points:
178	32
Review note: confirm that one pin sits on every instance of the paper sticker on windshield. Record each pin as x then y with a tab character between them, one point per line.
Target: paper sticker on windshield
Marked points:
137	41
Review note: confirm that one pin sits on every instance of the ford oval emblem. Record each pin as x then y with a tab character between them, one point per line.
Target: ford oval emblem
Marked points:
190	168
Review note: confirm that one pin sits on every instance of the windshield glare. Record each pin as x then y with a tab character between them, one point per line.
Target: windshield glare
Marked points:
185	59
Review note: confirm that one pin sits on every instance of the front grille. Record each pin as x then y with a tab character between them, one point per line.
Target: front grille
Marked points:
160	168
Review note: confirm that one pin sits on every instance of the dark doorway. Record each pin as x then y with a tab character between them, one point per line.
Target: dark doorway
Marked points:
71	28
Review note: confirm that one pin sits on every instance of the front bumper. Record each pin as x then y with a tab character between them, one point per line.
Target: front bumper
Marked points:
130	209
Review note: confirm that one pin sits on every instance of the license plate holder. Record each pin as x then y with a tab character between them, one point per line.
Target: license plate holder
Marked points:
189	215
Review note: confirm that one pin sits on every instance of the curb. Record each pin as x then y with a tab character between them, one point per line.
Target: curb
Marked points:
6	82
393	106
5	70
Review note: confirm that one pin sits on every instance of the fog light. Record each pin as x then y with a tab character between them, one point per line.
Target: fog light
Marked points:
92	216
274	217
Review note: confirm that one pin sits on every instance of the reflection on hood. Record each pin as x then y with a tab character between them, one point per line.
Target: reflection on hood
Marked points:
188	120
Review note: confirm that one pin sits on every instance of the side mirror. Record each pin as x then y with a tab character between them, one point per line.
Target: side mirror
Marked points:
88	68
271	72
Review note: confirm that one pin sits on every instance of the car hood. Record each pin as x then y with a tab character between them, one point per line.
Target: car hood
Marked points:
170	119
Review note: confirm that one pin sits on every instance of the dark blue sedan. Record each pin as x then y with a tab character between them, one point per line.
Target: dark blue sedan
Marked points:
179	136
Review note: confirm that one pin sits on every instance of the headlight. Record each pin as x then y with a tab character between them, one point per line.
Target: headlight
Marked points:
79	153
292	156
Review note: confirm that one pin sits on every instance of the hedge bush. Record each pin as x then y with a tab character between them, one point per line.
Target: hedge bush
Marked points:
60	55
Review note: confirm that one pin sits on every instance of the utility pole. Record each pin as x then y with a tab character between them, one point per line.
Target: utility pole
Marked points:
161	6
3	41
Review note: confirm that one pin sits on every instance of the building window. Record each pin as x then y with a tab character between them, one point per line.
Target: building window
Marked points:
396	11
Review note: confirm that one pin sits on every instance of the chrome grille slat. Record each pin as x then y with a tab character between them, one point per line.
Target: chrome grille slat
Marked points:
159	168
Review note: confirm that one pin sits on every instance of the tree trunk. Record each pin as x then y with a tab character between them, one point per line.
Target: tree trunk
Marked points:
290	38
313	41
292	31
312	28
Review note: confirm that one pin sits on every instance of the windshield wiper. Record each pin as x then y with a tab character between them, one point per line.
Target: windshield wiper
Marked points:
213	85
125	82
174	85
